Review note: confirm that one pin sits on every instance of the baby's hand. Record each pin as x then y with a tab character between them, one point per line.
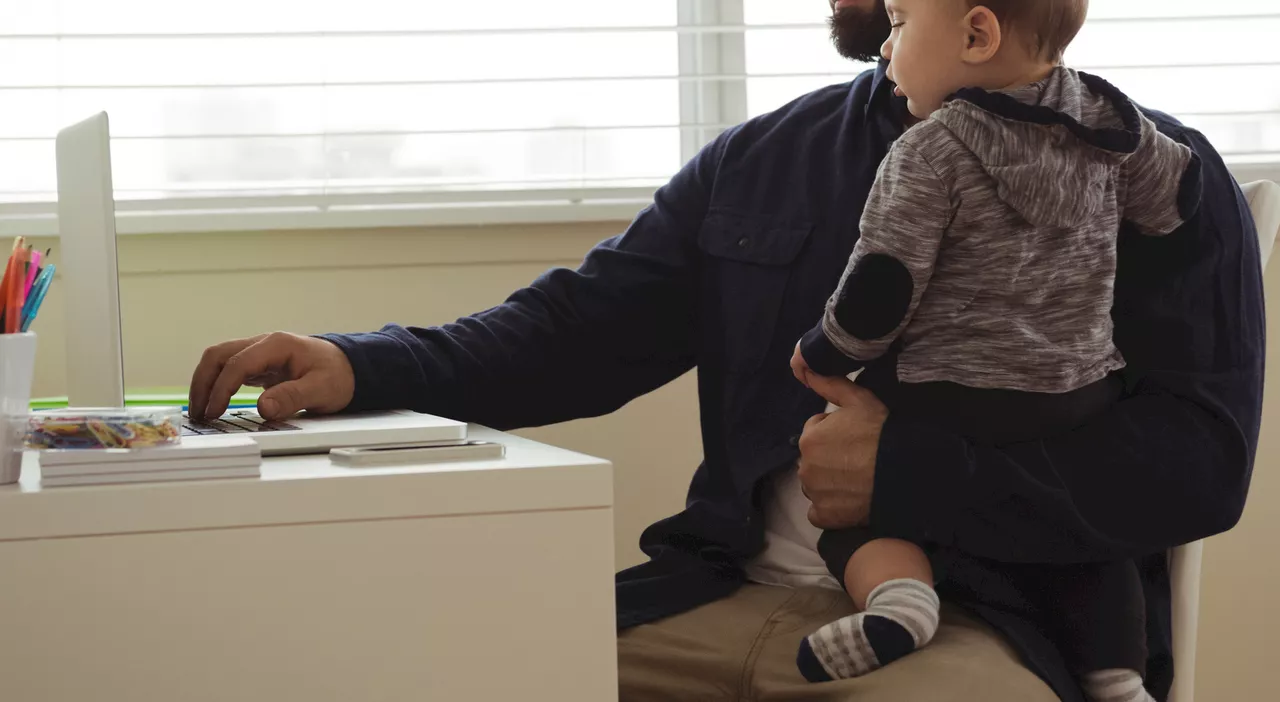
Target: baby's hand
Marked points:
799	367
833	390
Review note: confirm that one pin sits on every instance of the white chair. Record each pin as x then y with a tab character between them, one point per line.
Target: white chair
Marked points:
1184	561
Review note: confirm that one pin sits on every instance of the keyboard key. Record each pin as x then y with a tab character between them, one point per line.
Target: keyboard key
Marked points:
263	424
251	417
242	424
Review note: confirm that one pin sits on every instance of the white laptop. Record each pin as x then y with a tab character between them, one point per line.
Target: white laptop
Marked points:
95	357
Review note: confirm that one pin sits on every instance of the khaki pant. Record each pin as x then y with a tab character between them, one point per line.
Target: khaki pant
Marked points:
743	649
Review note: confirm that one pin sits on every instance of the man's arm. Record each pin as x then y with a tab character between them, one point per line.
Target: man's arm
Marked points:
907	213
575	343
1169	464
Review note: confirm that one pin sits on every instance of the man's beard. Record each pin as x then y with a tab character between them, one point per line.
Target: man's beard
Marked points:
858	34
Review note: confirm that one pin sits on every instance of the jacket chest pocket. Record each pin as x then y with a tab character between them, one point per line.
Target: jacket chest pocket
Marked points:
747	269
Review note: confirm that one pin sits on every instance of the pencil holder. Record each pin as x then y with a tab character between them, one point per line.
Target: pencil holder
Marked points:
17	366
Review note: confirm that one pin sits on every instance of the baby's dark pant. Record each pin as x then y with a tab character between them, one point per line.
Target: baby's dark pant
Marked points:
1094	613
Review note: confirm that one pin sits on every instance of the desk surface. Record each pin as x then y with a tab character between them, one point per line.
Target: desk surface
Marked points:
310	489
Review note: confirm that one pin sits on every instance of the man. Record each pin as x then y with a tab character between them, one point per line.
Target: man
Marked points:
724	272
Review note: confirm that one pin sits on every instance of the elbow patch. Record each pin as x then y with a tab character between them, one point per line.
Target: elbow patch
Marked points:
875	298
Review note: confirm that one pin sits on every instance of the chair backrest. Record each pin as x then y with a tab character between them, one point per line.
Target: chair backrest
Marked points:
1264	201
1185	561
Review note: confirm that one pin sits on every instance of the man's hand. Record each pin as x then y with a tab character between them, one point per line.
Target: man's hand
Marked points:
298	372
838	454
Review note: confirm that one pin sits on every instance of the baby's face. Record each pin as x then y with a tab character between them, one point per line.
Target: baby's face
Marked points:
925	50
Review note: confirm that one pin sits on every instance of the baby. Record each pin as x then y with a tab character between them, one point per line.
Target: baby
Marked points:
986	265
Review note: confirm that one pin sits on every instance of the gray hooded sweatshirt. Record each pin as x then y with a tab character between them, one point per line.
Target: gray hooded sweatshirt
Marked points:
988	243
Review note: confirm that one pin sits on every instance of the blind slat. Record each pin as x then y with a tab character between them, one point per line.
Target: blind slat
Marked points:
836	76
398	133
517	130
129	203
543	31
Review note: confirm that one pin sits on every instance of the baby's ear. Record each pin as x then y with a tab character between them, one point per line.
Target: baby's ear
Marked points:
983	35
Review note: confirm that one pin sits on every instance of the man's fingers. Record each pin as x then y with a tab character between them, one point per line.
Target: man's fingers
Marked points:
806	434
839	391
819	385
208	370
816	518
265	380
814	421
829	519
267	353
289	398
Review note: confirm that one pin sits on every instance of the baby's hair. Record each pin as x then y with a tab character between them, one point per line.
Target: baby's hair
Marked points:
1050	25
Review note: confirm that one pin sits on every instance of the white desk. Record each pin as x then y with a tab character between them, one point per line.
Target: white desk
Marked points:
470	581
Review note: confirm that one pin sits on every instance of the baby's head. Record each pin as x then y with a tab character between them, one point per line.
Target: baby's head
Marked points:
940	46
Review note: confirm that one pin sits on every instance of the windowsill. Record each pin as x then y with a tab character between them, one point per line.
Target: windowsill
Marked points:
294	214
284	254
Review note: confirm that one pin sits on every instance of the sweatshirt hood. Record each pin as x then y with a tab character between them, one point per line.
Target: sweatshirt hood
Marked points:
1051	146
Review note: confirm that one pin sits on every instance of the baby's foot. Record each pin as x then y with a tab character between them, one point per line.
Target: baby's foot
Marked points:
901	616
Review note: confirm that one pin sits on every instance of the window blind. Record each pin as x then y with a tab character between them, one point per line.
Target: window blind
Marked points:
256	114
272	112
1214	66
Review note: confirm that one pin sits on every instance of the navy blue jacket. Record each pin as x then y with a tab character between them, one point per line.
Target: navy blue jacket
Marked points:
734	262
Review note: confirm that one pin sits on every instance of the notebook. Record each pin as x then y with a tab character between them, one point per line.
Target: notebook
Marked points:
238	454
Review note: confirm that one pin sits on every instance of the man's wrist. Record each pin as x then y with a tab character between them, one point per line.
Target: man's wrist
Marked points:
360	365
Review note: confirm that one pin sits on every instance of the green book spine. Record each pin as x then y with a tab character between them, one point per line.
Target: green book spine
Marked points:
247	397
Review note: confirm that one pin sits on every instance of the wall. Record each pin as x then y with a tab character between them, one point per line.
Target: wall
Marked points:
181	293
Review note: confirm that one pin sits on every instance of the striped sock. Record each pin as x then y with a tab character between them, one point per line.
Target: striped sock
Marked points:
1114	686
901	616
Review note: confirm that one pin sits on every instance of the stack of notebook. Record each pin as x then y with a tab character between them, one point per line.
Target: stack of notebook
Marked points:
224	457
